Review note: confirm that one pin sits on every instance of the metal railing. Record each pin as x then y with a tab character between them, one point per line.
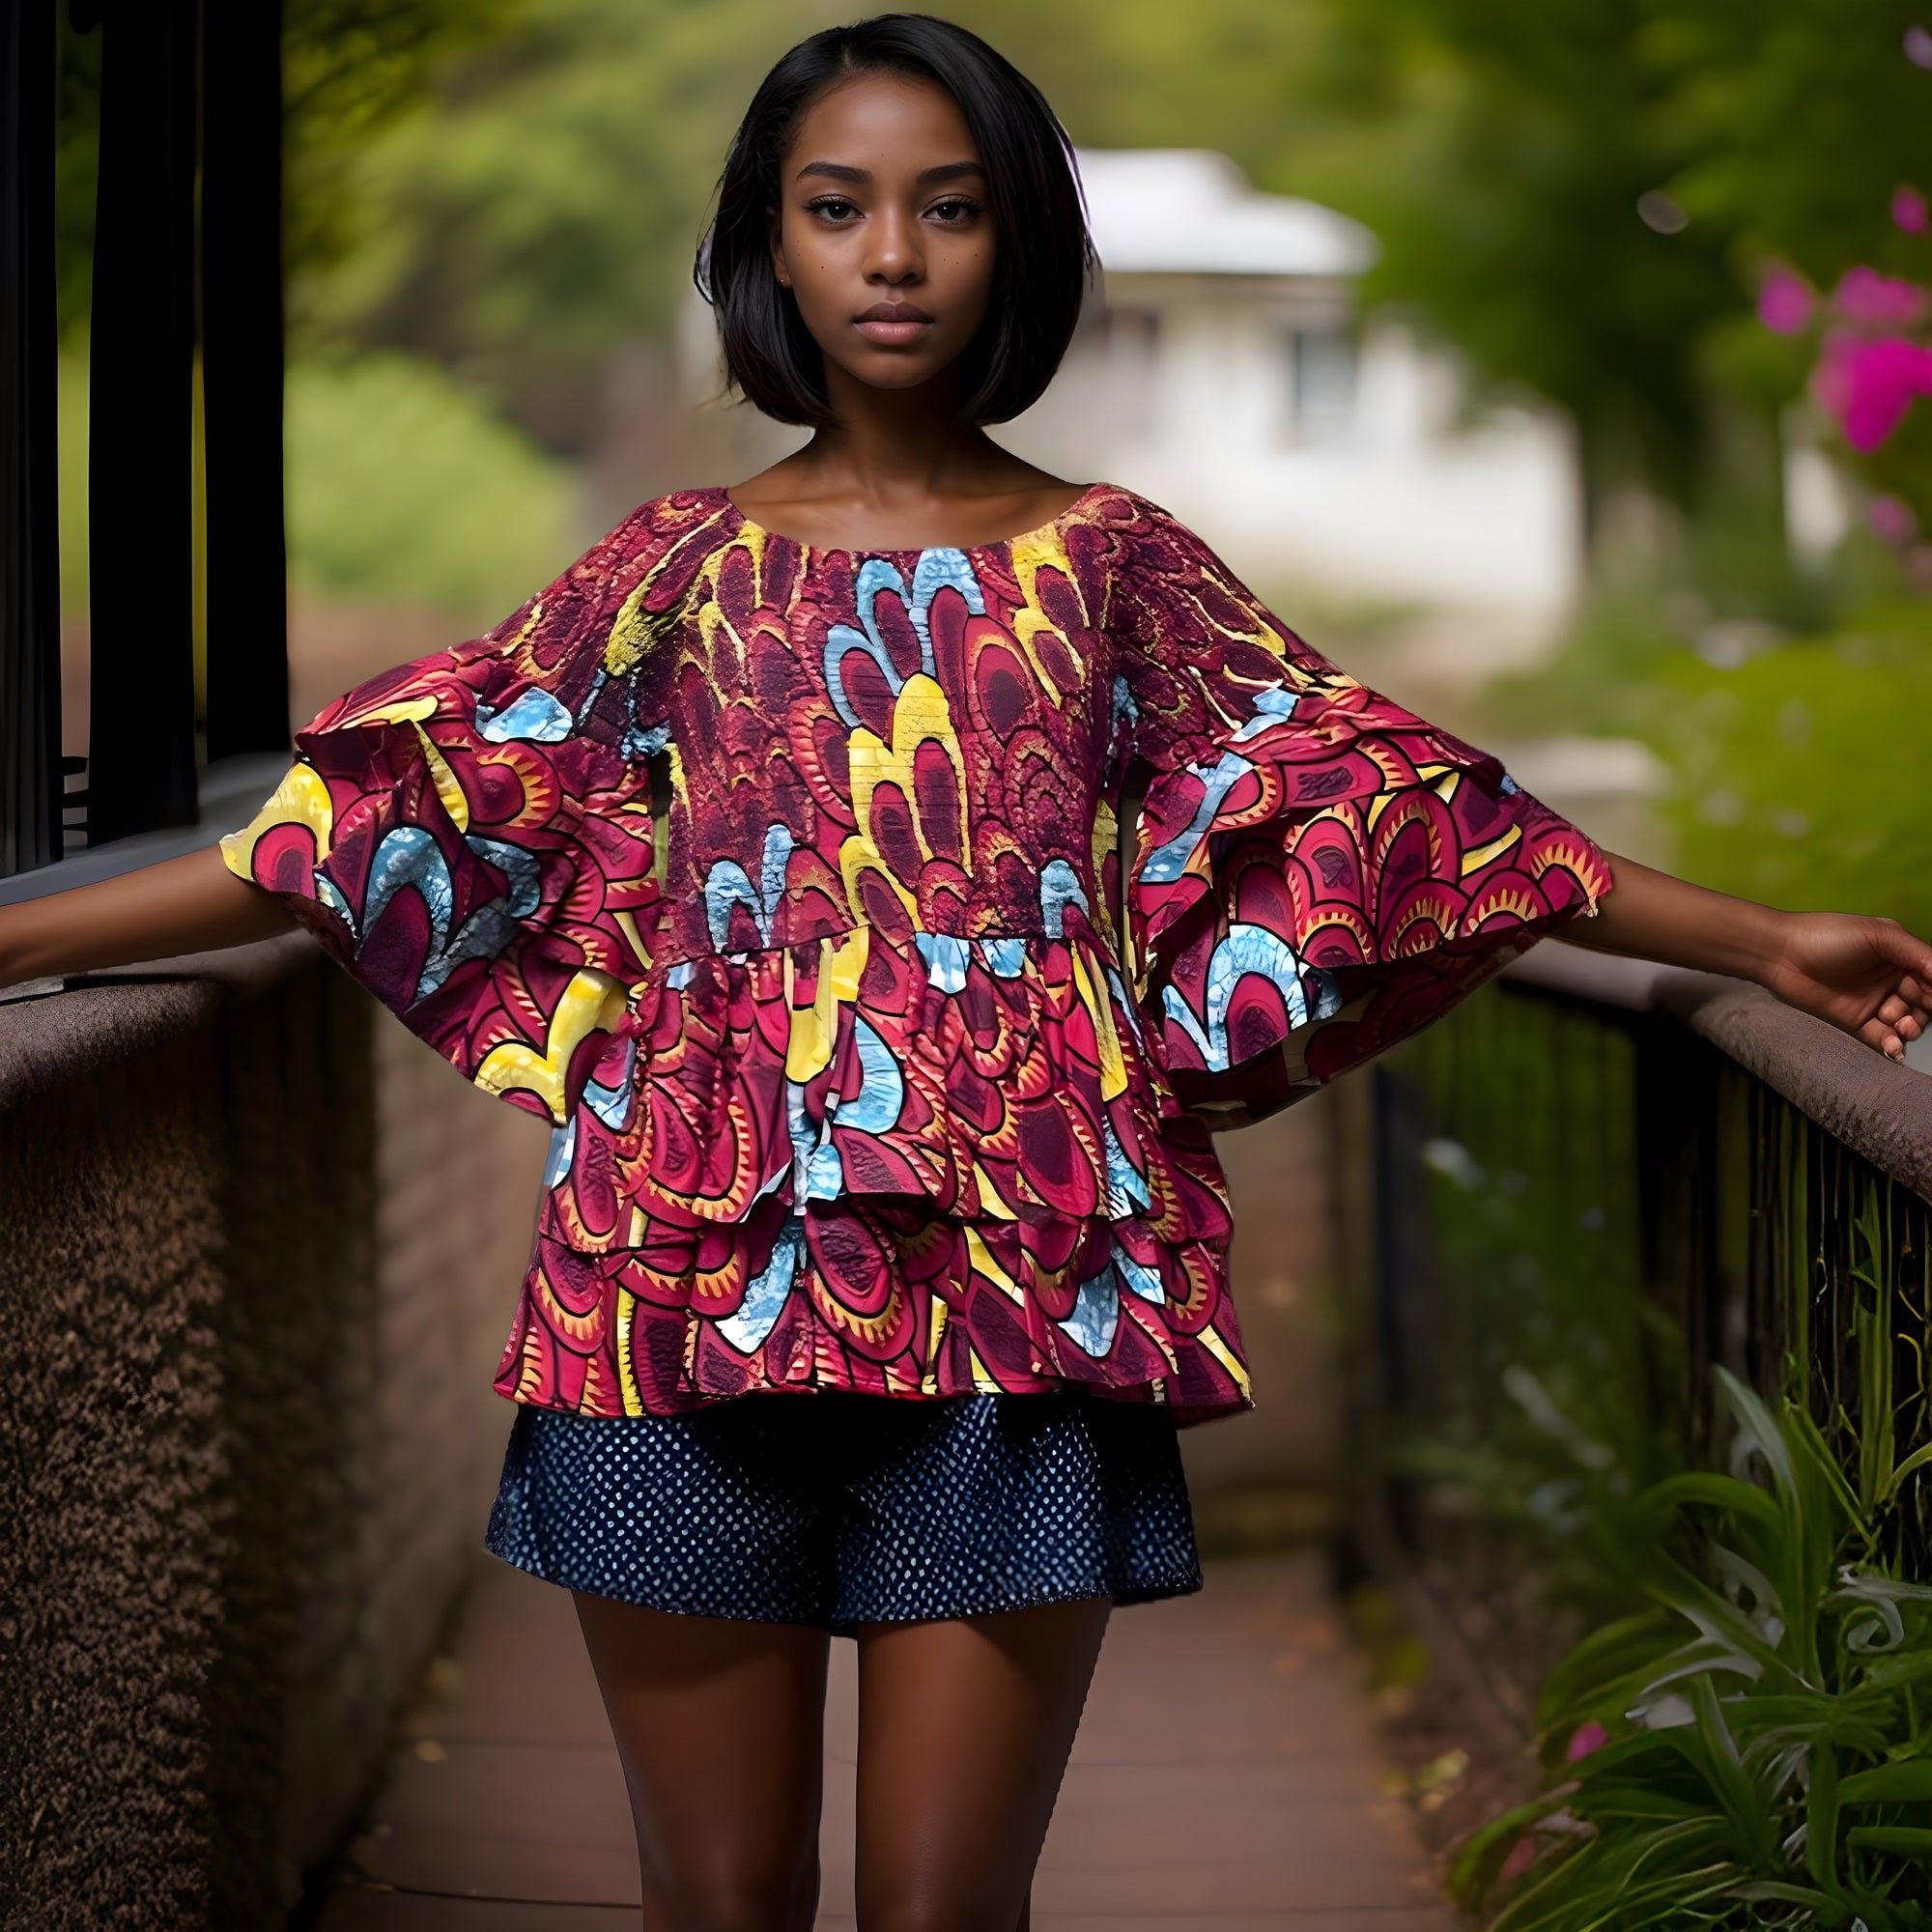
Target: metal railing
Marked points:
186	265
1589	1185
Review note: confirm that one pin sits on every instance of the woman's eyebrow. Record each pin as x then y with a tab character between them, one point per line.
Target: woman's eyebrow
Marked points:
840	171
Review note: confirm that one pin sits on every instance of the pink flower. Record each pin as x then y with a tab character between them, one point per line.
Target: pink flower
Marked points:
1878	301
1892	518
1918	46
1784	302
1868	385
1908	210
1521	1856
1589	1737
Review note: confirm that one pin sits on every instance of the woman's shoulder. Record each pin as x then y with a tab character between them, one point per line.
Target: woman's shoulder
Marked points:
1131	514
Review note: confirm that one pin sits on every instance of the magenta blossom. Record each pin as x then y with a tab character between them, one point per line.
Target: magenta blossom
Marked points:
1588	1738
1878	301
1521	1856
1784	302
1869	384
1909	211
1892	518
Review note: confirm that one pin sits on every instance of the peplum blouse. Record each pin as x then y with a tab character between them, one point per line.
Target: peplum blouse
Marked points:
786	885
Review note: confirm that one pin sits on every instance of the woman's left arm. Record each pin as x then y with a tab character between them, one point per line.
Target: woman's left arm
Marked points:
1868	976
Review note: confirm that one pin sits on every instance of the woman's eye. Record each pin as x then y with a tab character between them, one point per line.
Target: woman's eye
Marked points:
834	207
956	211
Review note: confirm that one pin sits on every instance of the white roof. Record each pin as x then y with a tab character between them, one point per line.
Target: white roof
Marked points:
1190	210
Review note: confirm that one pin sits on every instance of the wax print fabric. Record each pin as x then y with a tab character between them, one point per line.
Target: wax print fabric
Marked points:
869	1063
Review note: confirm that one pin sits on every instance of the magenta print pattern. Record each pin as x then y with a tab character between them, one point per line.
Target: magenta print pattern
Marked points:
875	1064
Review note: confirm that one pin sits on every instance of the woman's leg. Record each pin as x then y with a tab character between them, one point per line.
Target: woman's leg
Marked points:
720	1723
964	1729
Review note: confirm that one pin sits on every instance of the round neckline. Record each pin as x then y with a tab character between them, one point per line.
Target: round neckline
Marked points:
741	523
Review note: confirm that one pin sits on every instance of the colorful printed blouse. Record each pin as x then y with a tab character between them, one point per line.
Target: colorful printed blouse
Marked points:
869	1062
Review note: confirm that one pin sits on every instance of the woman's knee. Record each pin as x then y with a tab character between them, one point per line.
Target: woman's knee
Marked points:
923	1908
730	1900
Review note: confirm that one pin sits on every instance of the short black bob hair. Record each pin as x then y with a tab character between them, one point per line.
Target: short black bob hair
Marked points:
1044	256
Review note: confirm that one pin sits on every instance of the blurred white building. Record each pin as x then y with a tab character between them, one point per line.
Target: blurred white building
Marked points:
1230	379
1227	375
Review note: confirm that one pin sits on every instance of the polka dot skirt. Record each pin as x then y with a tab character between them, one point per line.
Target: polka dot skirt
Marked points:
838	1508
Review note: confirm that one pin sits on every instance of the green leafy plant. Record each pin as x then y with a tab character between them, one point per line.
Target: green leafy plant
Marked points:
1755	1748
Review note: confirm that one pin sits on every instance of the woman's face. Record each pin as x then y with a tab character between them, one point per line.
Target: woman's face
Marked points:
883	230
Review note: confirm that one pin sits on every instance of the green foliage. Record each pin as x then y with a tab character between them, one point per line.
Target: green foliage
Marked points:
1500	153
1547	1413
1789	781
545	202
403	485
1809	116
1766	1726
350	69
353	70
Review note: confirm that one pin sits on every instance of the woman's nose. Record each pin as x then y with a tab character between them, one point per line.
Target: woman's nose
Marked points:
894	255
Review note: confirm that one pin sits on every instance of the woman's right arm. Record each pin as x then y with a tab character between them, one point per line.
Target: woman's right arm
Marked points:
190	904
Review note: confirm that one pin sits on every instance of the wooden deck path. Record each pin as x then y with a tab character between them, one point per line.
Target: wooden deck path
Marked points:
1223	1779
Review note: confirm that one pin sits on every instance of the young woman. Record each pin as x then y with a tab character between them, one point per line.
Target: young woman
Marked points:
771	854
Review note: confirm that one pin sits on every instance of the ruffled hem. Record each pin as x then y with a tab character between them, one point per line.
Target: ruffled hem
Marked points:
877	1297
992	1081
1337	877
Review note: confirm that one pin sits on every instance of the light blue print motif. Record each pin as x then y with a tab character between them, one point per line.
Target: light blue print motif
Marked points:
642	742
562	1151
1097	1312
1127	1188
1095	1318
817	1174
754	1318
875	1108
1272	706
410	859
1250	948
727	884
1006	958
936	570
533	716
1145	1281
947	958
1166	862
1058	889
612	1104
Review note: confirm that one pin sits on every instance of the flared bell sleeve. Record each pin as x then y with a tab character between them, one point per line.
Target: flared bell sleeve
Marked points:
469	835
1319	873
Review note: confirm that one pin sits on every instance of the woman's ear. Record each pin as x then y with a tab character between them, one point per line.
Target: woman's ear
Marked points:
774	234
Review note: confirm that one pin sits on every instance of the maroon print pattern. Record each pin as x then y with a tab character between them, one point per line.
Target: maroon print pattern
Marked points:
873	1066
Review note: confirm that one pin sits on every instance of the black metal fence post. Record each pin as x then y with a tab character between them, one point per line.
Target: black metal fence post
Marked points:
242	376
30	766
141	755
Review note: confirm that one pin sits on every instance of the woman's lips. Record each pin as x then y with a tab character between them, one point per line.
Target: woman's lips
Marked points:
892	333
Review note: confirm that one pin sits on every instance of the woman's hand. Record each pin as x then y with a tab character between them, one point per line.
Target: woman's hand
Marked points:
1870	976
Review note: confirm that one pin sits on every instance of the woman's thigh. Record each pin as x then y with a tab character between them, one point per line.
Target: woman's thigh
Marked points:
964	1729
720	1724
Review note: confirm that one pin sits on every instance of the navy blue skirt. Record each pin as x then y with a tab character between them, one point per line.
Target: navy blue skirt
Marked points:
836	1509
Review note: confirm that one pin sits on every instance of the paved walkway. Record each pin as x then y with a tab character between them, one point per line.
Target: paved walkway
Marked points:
1223	1779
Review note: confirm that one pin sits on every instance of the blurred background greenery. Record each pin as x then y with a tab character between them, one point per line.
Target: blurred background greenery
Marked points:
1692	229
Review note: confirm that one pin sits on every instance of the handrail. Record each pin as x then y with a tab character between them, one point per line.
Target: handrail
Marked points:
92	1019
1877	1108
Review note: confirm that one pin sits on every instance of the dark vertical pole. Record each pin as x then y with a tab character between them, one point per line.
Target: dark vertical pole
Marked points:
242	376
141	762
29	771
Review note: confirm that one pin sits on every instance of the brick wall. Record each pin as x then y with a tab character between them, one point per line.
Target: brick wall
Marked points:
258	1249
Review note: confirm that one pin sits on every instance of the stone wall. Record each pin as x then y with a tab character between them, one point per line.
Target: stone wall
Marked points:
258	1249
